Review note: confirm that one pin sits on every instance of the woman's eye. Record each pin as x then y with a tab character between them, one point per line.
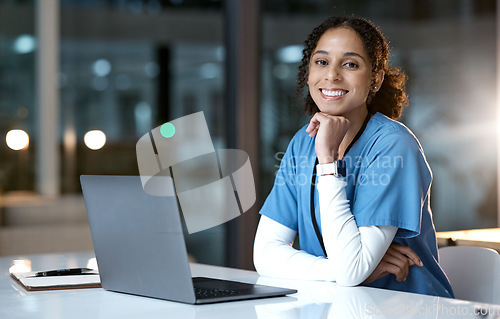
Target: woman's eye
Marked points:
351	65
321	62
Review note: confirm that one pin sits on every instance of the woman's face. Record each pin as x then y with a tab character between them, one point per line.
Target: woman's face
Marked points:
340	73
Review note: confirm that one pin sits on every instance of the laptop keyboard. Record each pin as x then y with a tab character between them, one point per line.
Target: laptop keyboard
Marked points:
214	292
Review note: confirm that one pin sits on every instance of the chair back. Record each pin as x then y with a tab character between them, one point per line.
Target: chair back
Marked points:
474	272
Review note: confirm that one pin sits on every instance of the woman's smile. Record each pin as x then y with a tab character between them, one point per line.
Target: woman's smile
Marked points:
333	93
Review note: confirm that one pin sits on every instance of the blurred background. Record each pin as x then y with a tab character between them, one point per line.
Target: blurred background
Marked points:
81	81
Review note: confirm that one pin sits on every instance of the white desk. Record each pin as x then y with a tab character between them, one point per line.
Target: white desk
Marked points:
313	300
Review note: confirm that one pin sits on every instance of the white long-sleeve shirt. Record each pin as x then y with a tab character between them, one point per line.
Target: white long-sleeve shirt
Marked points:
353	252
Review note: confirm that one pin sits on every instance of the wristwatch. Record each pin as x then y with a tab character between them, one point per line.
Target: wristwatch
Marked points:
337	169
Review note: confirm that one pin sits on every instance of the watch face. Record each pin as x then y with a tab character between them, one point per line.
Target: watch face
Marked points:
341	168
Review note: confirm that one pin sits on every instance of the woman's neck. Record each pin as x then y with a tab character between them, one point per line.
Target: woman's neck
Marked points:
356	121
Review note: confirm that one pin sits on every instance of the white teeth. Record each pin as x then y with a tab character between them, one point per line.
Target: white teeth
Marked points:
334	92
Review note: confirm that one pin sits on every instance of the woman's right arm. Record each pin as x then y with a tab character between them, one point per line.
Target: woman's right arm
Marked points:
274	255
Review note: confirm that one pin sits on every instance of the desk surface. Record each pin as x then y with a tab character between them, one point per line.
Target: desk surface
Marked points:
313	300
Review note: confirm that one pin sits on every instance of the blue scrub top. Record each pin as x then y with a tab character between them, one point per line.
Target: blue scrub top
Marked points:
388	183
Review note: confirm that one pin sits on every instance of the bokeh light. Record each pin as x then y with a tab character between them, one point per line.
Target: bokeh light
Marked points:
95	139
17	139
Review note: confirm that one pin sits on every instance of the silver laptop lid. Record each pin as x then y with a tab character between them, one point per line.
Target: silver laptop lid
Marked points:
138	238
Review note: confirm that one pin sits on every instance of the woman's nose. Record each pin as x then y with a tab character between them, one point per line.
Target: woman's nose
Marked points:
333	73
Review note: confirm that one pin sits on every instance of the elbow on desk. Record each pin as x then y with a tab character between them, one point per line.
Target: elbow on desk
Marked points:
265	258
259	261
264	269
257	265
264	264
348	282
349	277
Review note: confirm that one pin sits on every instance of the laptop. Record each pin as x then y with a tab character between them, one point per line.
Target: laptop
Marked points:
140	248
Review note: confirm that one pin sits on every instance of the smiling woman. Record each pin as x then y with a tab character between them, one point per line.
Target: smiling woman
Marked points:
370	52
359	222
340	74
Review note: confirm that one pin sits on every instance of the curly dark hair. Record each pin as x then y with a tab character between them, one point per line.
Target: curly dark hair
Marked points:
391	97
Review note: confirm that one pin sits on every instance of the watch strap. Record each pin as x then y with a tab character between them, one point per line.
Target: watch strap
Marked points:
337	168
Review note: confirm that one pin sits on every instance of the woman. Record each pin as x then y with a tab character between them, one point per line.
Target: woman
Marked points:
369	179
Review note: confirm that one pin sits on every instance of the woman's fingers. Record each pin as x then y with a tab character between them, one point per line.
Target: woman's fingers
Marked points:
402	265
397	261
313	131
385	268
409	253
377	274
329	131
314	123
396	270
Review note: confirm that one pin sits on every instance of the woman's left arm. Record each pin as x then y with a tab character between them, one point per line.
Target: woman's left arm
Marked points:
358	250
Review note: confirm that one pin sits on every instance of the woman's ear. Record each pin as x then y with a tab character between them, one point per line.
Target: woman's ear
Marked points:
378	80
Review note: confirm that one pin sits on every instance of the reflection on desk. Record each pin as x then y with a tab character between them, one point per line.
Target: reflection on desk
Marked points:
313	300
